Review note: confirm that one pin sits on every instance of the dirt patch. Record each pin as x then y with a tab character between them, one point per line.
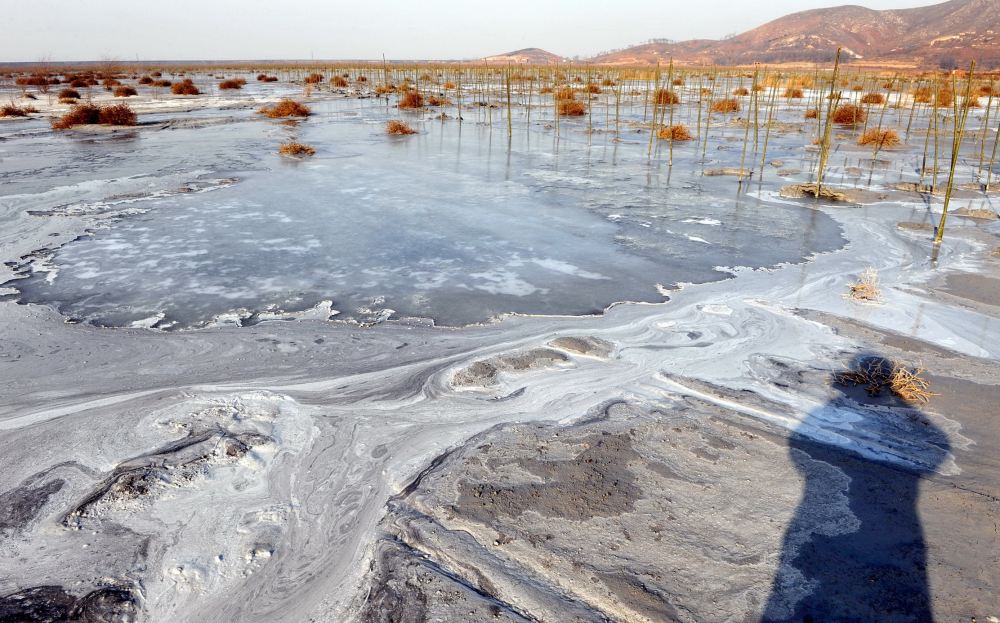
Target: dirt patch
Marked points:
596	482
584	345
486	372
828	193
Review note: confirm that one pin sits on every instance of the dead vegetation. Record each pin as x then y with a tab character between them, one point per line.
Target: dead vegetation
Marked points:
314	78
983	214
866	287
296	150
666	97
125	91
411	99
726	106
92	114
878	374
849	114
13	110
873	98
185	87
812	113
677	132
571	108
228	85
339	82
740	92
398	128
794	93
879	138
286	108
69	94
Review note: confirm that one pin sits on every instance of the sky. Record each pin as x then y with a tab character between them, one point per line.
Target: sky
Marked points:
73	30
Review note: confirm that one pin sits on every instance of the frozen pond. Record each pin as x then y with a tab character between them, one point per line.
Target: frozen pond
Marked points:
451	224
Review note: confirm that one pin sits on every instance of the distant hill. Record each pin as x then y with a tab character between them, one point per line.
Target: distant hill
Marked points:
946	34
534	56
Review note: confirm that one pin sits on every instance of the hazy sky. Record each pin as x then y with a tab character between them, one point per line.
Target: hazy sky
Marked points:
400	29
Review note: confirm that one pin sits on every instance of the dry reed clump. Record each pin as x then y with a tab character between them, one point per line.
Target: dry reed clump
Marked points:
878	373
973	102
232	84
677	132
677	82
383	89
726	106
882	138
161	83
146	80
79	83
339	82
607	82
592	88
124	91
91	114
398	128
438	100
449	85
794	93
741	91
411	99
866	287
849	113
546	90
185	88
923	95
286	108
565	93
873	98
296	149
812	113
69	94
571	108
12	110
361	79
117	114
110	83
266	78
666	97
313	79
31	81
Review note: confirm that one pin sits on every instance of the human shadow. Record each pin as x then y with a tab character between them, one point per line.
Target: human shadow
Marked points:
868	564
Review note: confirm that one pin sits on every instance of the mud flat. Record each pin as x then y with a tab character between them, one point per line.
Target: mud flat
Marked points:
693	460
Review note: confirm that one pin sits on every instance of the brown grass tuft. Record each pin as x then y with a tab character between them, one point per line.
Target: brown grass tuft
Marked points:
794	93
677	132
812	113
883	138
398	128
161	83
741	91
438	100
411	99
666	97
866	287
923	95
296	149
313	78
185	88
565	93
124	91
849	113
90	114
449	85
726	106
878	374
873	98
592	88
286	108
81	114
571	108
146	80
117	114
11	110
339	82
79	83
232	84
69	94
